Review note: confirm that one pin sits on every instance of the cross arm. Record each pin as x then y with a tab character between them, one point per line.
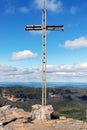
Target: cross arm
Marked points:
55	28
39	27
33	27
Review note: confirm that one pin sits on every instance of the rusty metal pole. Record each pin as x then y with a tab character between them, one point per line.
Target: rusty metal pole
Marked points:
44	57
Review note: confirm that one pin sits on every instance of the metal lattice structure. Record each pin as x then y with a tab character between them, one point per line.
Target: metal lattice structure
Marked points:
43	27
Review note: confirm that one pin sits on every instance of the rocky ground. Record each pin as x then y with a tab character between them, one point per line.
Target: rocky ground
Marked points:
18	119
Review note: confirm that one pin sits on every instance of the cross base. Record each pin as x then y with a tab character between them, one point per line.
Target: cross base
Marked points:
42	112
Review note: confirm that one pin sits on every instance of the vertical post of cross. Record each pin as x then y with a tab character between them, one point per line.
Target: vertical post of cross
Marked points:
43	57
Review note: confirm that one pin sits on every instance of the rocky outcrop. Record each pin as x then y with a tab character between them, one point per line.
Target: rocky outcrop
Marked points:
18	119
42	112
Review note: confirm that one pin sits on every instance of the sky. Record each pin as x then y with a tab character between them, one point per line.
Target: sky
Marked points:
21	51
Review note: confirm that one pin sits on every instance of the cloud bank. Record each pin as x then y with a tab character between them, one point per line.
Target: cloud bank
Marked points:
60	73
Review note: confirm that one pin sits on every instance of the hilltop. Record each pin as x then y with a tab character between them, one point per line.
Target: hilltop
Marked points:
18	119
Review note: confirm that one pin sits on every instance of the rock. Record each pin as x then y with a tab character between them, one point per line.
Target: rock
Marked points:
20	113
36	107
18	119
84	127
1	113
27	120
1	128
62	118
5	107
42	112
1	123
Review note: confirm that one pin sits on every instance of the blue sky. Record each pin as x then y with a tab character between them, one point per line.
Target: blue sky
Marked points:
21	51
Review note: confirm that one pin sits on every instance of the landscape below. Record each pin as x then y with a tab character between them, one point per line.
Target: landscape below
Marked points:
70	102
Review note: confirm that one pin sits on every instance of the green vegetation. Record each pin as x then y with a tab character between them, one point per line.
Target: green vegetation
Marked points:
69	102
0	91
74	113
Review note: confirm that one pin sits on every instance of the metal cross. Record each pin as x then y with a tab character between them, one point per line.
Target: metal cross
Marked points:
43	27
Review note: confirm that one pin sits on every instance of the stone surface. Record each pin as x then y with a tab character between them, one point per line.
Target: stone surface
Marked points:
5	107
42	112
18	120
62	118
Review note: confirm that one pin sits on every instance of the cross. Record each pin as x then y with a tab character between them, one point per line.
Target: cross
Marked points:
44	28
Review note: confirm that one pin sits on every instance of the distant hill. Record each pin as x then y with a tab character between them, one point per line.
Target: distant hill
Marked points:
39	84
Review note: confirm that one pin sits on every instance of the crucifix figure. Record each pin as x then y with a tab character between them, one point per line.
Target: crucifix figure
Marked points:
44	28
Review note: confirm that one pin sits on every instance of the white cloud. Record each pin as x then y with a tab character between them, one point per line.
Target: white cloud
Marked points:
23	10
52	5
7	68
67	68
26	54
60	73
73	10
76	44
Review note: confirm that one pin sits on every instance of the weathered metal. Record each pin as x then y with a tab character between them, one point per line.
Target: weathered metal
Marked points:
43	27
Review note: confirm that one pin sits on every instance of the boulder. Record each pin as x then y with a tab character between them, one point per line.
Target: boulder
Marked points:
4	108
42	112
62	118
